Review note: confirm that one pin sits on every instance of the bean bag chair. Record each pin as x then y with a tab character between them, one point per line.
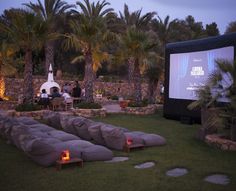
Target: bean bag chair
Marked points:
113	136
73	147
27	120
133	138
153	140
67	124
80	126
63	136
43	153
6	127
53	119
41	127
95	132
96	153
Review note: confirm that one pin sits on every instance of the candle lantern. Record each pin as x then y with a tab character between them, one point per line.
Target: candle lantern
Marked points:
129	141
65	155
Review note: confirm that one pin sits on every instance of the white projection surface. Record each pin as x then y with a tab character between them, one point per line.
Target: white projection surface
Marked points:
189	71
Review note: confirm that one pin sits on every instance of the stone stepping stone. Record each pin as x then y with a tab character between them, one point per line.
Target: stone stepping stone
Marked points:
117	159
218	179
144	165
176	172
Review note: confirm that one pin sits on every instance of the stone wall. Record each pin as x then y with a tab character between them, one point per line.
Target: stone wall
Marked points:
14	87
150	109
220	142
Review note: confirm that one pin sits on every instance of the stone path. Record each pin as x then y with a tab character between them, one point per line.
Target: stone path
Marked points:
218	179
113	108
144	165
176	172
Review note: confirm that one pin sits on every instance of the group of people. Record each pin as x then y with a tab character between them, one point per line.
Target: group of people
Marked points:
67	92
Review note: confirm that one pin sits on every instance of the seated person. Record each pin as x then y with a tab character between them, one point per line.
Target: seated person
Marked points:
76	91
66	95
44	99
55	93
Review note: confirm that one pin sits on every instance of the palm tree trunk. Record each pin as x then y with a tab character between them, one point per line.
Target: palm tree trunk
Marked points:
28	91
88	77
137	83
130	69
152	86
49	55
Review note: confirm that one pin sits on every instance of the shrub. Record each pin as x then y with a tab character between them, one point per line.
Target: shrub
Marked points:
27	107
144	103
114	97
88	105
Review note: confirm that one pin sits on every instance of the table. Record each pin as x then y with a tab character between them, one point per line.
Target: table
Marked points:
128	148
76	100
60	163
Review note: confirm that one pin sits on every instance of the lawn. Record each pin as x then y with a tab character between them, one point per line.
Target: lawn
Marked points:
18	172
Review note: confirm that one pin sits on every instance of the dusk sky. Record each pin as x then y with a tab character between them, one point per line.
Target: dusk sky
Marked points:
207	11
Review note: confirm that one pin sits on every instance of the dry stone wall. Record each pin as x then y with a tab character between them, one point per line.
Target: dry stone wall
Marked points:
14	87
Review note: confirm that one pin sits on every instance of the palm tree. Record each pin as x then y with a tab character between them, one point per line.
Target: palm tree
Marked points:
27	32
220	85
6	65
89	35
154	73
138	46
134	19
51	12
163	28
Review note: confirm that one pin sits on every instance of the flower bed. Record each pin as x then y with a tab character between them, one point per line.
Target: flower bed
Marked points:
77	112
6	105
90	112
220	142
34	114
150	109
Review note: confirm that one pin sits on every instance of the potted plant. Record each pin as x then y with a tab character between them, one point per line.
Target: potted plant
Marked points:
99	93
209	112
220	86
224	81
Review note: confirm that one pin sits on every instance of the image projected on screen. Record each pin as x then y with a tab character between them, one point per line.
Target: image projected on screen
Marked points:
189	71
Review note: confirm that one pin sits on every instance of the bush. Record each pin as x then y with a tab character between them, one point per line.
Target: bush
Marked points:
27	107
144	103
86	105
114	97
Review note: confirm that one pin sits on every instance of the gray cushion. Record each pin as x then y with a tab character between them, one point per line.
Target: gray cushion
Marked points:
136	139
41	127
153	140
72	146
42	153
95	132
96	153
52	119
113	136
81	128
27	120
63	136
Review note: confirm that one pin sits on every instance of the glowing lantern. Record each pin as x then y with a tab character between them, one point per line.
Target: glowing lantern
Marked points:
2	87
129	141
65	155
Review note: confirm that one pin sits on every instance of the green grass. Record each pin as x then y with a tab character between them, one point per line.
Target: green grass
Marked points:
18	172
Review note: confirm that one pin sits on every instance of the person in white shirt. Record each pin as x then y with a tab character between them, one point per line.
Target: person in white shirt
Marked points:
44	94
66	95
44	99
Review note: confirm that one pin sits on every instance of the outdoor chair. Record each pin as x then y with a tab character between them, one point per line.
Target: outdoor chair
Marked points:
44	103
68	104
57	103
